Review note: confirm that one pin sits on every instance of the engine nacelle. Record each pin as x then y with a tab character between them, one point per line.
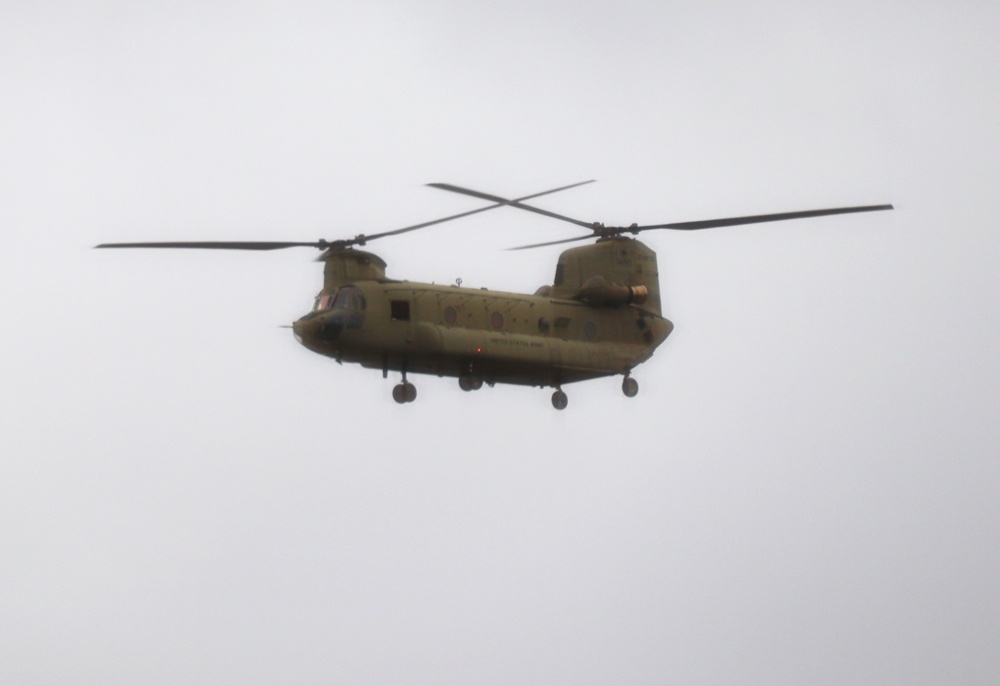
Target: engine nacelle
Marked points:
597	291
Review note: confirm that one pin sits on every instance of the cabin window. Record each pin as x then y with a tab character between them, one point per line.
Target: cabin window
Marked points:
560	273
450	315
400	310
544	325
496	320
590	330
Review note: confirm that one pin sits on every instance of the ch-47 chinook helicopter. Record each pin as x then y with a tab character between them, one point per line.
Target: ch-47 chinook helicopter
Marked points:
600	317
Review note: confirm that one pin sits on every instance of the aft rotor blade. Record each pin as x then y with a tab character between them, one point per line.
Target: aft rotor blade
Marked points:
564	240
715	223
497	198
220	245
516	202
761	218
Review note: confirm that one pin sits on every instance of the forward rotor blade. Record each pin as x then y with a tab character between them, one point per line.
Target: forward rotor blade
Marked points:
220	245
555	190
516	202
395	232
321	244
761	218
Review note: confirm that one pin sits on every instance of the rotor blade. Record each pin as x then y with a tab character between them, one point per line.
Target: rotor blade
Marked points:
499	202
515	203
220	245
536	210
322	244
761	218
474	194
565	240
395	232
731	221
497	198
555	190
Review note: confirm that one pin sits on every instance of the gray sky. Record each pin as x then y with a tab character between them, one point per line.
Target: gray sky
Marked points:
805	490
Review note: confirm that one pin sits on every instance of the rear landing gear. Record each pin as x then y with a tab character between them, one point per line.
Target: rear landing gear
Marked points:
559	400
470	383
630	387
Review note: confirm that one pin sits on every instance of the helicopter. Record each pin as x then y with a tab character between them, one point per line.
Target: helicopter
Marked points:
600	317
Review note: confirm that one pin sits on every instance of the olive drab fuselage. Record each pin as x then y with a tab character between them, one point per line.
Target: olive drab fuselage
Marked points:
600	317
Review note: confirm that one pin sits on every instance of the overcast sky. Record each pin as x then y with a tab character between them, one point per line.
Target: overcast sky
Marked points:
805	491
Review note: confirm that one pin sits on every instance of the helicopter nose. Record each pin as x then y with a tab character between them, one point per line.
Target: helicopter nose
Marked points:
304	330
330	328
317	330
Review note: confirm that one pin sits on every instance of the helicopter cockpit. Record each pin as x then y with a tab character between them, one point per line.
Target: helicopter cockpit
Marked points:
348	300
333	313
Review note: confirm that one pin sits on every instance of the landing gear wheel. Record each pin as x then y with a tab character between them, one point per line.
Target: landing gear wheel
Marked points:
404	393
630	387
559	400
470	383
409	392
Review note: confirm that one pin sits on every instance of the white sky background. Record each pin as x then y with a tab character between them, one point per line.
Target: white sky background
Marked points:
805	490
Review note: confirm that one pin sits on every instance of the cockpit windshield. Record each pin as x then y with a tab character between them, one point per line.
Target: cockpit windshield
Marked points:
347	298
345	307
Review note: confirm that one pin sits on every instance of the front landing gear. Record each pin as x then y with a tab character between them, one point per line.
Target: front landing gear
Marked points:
559	400
404	392
630	387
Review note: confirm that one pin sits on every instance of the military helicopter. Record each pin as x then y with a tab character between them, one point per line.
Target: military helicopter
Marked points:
600	316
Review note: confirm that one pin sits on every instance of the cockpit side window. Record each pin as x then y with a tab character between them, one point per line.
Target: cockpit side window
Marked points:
351	299
323	302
